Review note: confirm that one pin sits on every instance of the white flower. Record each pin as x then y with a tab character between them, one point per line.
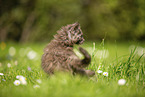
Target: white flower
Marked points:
21	79
23	82
99	71
39	81
105	73
1	74
12	51
16	82
9	65
18	76
36	86
31	55
121	82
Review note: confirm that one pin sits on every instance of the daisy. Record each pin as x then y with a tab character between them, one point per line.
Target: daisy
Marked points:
39	81
16	82
99	71
18	76
23	82
105	73
1	74
121	82
9	65
21	79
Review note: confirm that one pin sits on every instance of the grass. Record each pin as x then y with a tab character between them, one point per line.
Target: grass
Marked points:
120	63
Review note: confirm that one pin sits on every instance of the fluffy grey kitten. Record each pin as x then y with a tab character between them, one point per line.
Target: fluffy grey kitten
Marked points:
59	55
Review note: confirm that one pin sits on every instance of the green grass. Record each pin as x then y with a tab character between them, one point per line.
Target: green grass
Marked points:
120	64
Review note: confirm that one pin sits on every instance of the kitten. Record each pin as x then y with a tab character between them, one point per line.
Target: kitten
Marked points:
59	55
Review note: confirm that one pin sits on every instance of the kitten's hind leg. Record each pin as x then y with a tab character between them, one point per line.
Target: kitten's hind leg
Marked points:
83	72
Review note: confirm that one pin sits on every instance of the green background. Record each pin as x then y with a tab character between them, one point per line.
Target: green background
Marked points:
38	20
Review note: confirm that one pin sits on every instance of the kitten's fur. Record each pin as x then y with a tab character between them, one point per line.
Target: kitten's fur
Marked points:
59	55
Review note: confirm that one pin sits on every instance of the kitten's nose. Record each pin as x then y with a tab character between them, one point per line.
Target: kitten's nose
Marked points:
82	40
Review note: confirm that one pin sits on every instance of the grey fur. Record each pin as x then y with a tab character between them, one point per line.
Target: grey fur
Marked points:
59	55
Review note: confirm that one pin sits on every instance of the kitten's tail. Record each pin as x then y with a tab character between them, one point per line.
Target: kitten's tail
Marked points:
87	58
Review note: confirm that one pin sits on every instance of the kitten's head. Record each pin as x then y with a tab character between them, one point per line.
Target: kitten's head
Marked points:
70	34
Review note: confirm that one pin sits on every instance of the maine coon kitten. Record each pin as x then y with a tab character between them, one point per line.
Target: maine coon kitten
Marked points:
59	55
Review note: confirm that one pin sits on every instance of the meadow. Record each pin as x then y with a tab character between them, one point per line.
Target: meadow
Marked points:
119	67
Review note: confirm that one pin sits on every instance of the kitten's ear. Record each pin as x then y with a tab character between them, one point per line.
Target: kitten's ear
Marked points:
76	25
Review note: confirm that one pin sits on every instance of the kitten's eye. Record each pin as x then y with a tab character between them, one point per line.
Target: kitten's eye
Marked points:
69	28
